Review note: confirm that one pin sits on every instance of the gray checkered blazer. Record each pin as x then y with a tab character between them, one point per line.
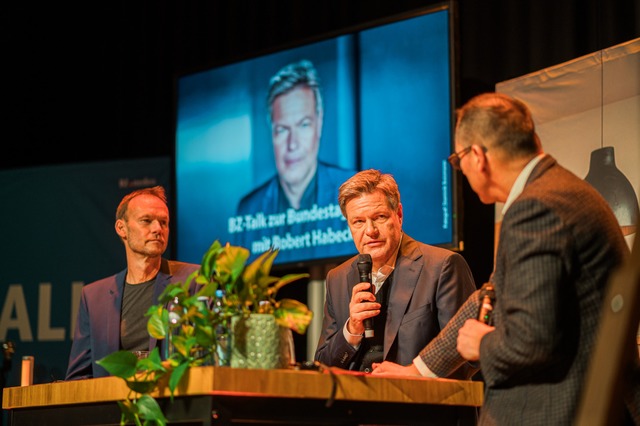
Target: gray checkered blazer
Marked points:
559	242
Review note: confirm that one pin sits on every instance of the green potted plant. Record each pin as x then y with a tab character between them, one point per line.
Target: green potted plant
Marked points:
195	329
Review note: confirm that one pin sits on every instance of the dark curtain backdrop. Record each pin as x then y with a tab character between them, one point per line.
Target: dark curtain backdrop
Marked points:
94	81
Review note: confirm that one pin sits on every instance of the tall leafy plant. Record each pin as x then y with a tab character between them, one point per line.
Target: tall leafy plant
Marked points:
187	320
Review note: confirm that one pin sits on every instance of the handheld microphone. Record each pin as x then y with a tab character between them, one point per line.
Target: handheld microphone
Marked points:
487	299
364	267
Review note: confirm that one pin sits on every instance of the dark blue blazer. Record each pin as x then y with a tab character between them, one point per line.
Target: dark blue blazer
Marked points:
97	331
429	285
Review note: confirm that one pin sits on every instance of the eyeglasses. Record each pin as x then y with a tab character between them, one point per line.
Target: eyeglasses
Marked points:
454	159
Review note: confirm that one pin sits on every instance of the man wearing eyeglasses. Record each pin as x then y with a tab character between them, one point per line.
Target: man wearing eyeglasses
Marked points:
558	244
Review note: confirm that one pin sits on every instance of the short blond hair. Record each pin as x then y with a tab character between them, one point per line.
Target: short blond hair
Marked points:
367	182
156	191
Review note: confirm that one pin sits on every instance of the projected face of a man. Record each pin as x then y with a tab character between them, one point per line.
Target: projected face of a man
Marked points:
296	128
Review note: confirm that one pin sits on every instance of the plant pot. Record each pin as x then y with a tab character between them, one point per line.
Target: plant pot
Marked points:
259	342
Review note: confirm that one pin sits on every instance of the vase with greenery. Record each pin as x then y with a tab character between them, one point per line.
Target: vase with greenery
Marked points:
193	329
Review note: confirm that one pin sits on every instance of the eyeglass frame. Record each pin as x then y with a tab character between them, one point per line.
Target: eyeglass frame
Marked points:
454	159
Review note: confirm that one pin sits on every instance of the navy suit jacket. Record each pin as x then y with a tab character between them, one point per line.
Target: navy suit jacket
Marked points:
97	332
429	284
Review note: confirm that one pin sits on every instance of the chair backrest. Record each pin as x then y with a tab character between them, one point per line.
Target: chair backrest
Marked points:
617	348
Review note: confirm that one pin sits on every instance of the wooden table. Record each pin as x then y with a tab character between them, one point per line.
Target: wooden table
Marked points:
224	395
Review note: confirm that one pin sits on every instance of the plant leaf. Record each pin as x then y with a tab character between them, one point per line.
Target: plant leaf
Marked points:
120	364
260	267
287	279
231	263
205	336
129	411
293	314
176	376
152	363
156	326
141	386
150	410
208	262
179	344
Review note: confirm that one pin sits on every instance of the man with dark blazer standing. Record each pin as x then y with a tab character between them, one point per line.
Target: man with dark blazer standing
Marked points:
559	242
417	287
111	316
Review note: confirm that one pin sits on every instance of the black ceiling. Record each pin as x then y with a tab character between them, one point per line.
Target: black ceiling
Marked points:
94	80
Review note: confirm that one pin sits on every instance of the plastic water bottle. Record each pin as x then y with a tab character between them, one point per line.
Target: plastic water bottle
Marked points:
222	330
175	313
206	355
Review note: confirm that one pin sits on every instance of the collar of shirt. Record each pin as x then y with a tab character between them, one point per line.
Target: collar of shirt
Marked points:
309	197
521	180
378	278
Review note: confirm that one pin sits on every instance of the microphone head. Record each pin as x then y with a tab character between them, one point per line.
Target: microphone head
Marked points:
364	263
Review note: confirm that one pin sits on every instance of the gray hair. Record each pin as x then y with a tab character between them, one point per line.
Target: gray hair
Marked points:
291	76
368	182
499	122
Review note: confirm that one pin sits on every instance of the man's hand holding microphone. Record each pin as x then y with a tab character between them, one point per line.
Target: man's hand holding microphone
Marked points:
363	306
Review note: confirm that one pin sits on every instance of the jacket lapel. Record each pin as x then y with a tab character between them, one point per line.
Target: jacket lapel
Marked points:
405	277
114	296
162	281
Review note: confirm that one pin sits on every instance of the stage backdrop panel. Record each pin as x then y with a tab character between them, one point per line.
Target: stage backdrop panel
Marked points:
57	233
587	114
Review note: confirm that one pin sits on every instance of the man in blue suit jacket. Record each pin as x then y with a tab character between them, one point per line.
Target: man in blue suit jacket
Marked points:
112	310
296	209
418	287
